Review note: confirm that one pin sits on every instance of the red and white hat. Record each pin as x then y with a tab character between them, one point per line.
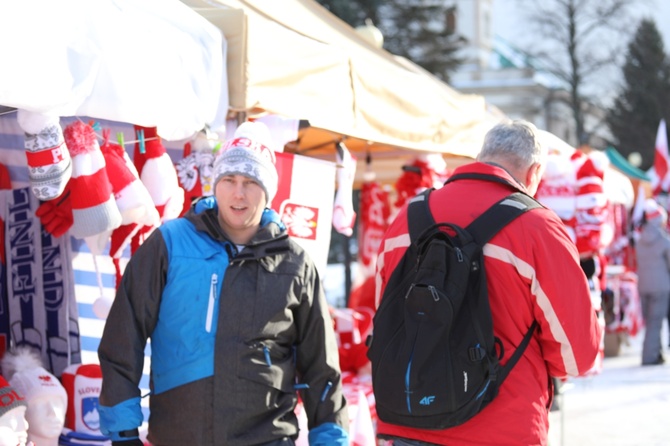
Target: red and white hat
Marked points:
158	174
131	195
49	163
94	209
9	397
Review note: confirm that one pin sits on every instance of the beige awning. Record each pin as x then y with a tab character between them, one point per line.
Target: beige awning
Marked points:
294	58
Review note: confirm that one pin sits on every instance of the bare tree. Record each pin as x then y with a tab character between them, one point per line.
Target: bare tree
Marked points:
582	38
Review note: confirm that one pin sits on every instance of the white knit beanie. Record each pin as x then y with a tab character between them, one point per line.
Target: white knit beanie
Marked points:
249	152
24	371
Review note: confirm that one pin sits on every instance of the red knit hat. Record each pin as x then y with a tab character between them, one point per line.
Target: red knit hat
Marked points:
132	197
158	174
9	397
94	209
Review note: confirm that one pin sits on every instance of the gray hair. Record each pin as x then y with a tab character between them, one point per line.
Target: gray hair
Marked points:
515	143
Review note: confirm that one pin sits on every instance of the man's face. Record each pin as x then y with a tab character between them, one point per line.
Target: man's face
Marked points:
241	202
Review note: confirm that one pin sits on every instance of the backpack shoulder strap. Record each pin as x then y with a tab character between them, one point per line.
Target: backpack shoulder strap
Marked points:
419	216
484	227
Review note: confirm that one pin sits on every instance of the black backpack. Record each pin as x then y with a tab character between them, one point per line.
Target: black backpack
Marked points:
434	358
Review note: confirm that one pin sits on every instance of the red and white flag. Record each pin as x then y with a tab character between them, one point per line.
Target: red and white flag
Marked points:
638	208
304	200
661	179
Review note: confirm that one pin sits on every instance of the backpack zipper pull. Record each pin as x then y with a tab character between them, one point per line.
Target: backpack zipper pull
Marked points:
459	254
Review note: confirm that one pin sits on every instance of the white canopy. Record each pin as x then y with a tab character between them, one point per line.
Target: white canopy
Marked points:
149	62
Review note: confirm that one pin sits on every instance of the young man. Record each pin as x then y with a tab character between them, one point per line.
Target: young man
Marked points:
237	318
533	274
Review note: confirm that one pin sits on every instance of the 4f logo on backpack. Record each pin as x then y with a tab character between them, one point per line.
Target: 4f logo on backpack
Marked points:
433	353
427	400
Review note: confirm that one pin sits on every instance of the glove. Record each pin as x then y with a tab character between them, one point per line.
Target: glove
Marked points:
56	215
132	442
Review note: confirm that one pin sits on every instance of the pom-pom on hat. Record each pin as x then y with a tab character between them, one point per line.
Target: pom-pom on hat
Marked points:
9	397
249	152
23	369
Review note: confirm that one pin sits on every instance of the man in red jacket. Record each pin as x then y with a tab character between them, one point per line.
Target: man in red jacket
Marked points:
533	274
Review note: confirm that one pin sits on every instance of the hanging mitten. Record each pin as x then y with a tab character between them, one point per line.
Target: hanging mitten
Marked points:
343	207
49	163
94	209
158	174
56	215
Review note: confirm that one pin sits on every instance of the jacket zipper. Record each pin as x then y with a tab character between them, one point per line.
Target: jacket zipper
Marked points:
210	306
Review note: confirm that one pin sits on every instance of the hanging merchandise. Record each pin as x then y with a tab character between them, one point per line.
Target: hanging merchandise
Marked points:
48	158
194	171
343	210
40	287
375	211
131	195
423	172
591	204
158	173
5	186
134	202
558	189
93	207
159	176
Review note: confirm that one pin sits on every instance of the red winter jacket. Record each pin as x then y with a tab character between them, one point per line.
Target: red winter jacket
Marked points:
533	273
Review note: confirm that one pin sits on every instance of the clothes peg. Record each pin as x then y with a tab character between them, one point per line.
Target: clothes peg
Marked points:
140	139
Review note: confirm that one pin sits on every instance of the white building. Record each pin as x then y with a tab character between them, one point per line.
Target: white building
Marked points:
512	80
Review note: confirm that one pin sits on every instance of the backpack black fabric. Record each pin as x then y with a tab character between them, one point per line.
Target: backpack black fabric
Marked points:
435	360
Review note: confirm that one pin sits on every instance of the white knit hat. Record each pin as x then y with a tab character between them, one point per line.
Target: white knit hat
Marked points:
24	371
249	152
47	155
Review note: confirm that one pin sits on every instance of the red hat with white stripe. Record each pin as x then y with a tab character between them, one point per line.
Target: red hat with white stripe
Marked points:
94	209
131	195
158	174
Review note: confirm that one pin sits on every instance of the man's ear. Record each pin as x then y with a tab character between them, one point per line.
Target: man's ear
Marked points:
533	176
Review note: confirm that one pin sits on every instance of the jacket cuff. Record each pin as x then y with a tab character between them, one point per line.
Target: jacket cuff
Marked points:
328	434
123	418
